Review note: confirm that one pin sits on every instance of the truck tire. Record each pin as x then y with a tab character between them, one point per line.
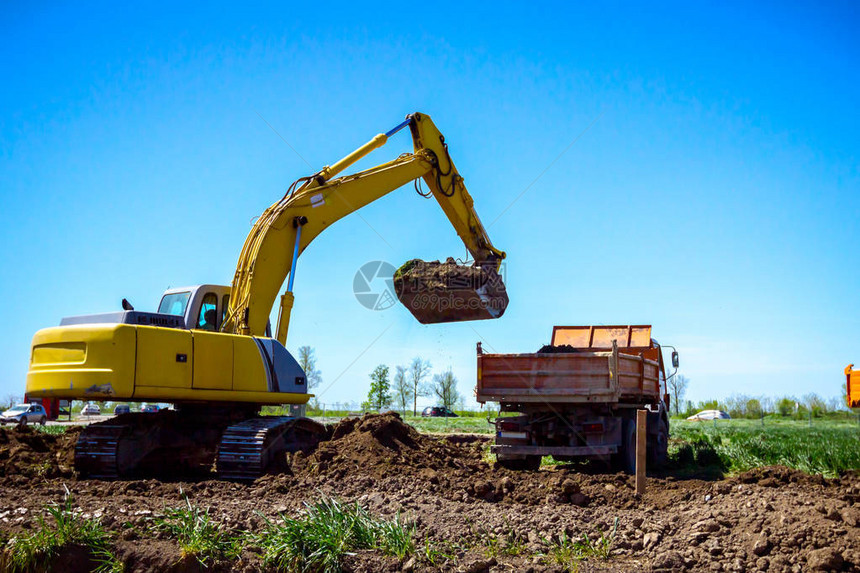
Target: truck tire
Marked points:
529	463
625	459
658	448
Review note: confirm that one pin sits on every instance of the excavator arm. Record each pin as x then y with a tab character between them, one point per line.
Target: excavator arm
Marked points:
286	228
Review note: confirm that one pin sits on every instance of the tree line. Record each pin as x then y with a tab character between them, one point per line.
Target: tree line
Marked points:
745	406
411	382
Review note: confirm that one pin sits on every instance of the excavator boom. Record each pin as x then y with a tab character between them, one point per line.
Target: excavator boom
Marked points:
286	228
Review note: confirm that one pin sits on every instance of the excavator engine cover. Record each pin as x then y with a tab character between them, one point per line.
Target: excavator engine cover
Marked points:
447	292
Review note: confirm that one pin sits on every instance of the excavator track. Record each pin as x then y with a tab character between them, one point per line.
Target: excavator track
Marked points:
177	443
96	450
167	443
248	448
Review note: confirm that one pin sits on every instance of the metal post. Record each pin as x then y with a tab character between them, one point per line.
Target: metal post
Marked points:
641	430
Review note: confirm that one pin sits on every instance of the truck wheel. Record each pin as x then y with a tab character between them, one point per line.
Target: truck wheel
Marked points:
529	463
532	463
658	454
625	459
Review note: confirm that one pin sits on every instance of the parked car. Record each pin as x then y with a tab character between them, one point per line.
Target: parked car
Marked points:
24	414
91	410
709	415
121	409
438	412
149	408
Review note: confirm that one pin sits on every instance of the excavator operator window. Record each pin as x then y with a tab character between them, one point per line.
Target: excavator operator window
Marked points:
208	315
174	303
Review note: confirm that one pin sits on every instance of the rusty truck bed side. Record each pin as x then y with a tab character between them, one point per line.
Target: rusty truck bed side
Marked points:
607	364
569	377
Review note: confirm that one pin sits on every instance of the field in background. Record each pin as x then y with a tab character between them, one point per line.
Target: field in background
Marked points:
825	447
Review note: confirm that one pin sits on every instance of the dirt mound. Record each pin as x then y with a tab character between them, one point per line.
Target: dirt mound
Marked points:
560	349
29	452
375	444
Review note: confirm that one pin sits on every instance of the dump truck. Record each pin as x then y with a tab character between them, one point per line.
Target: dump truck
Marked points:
852	386
578	396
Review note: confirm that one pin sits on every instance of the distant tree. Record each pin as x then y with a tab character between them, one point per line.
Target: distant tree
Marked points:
445	388
677	390
12	399
815	404
308	362
708	405
835	404
735	405
403	392
418	371
379	396
753	408
785	406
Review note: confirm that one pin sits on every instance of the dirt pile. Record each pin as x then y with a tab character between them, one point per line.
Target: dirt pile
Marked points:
448	292
27	452
377	446
381	450
560	349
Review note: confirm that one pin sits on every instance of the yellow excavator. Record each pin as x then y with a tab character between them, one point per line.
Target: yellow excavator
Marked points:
209	349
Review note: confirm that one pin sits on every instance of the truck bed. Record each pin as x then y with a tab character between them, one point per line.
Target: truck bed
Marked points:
575	377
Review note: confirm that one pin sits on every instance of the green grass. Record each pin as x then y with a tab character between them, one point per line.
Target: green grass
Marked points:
507	544
67	527
569	552
326	532
469	425
826	447
53	430
199	537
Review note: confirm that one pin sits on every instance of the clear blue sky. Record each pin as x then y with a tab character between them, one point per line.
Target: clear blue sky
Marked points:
716	196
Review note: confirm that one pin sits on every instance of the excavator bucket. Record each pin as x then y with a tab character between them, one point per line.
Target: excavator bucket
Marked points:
447	292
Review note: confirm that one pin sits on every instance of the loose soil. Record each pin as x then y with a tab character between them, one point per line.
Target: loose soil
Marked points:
769	519
448	292
560	349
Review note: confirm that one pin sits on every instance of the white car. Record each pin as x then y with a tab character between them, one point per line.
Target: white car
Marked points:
709	415
91	410
24	414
